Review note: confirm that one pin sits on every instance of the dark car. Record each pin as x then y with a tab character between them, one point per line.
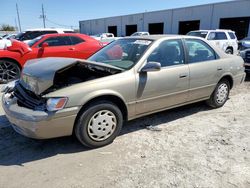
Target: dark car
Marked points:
244	48
245	54
244	44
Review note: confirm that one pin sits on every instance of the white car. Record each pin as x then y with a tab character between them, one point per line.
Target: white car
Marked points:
140	33
30	34
224	39
104	37
4	43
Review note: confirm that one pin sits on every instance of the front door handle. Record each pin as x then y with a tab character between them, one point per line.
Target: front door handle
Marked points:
219	68
71	48
183	75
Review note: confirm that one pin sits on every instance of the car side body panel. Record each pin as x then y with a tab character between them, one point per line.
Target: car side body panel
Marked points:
167	87
142	93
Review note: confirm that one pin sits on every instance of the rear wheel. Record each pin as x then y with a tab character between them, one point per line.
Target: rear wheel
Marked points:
99	124
220	94
9	71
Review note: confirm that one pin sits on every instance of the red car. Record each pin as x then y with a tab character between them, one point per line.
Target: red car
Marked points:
72	45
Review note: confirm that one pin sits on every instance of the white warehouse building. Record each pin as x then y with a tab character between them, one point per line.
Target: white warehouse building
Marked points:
234	15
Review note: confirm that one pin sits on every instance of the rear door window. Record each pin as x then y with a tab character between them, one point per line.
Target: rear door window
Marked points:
76	40
199	51
217	36
221	36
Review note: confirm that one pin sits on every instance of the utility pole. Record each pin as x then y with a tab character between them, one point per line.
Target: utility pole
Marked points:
43	17
18	17
16	28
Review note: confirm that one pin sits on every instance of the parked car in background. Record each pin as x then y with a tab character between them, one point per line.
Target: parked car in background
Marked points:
245	54
244	44
17	53
127	79
224	39
8	36
104	37
140	33
30	34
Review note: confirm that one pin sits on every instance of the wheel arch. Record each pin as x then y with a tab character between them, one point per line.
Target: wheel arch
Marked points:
231	48
12	60
229	78
107	97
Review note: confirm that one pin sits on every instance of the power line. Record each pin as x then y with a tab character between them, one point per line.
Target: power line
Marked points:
62	25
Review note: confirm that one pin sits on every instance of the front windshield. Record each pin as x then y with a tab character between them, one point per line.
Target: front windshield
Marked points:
122	53
136	34
202	34
32	42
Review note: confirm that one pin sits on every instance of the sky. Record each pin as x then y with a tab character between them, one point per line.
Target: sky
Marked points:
68	13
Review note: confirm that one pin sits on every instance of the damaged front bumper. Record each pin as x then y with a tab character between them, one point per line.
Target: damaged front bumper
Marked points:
39	124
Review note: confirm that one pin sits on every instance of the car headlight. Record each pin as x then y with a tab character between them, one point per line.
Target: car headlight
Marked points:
54	104
243	54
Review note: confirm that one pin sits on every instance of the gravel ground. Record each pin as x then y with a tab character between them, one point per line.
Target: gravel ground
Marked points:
190	146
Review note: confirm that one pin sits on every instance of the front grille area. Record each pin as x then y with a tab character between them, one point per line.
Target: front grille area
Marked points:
26	98
247	59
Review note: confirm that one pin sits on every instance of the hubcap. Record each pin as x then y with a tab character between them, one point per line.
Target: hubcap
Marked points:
8	71
102	125
222	93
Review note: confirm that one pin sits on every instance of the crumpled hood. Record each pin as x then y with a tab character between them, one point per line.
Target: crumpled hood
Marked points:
18	46
38	74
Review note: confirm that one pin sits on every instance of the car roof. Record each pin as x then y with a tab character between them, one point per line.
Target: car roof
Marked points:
213	30
157	37
49	29
86	37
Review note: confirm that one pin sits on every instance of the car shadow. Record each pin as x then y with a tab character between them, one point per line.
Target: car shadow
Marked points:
151	122
16	149
247	78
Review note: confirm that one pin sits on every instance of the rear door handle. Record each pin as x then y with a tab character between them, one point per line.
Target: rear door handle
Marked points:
183	75
71	48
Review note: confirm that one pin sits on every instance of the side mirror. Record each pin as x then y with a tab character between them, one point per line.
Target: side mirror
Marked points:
151	66
44	45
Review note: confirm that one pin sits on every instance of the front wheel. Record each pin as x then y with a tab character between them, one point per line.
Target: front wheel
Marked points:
9	71
220	94
99	124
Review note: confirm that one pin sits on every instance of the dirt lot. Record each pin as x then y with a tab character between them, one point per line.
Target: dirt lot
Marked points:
191	146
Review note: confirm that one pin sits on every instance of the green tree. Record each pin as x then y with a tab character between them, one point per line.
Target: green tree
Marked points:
7	27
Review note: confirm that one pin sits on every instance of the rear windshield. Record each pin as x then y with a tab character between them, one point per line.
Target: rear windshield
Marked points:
201	34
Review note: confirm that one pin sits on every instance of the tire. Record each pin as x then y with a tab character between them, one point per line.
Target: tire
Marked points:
229	51
220	94
9	71
99	124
